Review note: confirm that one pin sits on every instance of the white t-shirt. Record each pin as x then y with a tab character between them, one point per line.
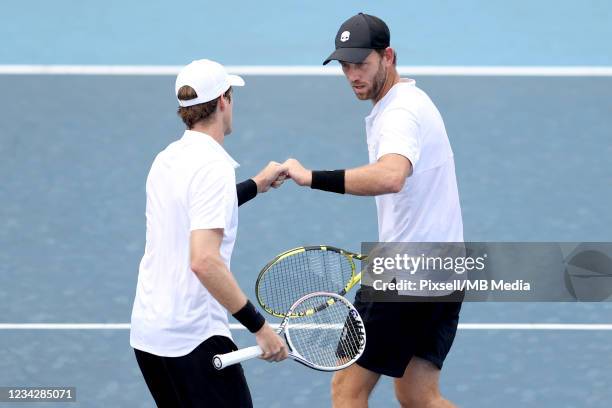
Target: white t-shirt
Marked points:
427	209
191	185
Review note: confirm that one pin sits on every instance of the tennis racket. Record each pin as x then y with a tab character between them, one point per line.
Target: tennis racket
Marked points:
304	270
329	338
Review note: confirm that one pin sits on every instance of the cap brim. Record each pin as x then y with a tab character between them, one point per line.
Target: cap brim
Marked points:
352	55
235	80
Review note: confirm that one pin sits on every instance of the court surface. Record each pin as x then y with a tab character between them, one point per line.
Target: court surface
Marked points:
532	156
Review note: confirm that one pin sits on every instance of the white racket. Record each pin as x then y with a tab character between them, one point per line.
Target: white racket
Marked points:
323	331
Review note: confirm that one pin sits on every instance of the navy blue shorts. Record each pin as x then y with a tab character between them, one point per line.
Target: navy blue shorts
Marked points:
397	331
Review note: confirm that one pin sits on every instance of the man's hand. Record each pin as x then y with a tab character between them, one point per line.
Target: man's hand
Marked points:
272	346
297	172
272	175
279	181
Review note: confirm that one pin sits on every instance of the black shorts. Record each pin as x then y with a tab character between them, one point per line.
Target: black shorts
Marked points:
396	331
192	381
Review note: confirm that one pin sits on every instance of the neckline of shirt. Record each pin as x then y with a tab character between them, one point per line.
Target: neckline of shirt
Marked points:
390	93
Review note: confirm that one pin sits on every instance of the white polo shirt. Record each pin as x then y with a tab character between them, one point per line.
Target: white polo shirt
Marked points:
406	122
191	185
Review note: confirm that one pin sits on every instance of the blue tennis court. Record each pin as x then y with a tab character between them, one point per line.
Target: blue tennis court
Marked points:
532	155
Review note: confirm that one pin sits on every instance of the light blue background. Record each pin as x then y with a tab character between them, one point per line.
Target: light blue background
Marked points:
469	32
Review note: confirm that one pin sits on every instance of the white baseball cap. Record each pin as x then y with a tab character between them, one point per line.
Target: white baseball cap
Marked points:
208	78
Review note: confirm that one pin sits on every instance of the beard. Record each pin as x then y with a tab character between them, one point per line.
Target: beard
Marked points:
377	84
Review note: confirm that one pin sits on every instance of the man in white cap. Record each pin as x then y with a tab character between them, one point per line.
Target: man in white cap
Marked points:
185	287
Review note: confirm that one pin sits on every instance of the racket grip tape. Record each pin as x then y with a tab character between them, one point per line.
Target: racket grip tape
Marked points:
220	361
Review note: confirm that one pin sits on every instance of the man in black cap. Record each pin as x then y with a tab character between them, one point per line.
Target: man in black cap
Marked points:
412	174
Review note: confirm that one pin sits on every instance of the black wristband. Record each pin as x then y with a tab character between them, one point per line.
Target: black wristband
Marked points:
249	317
245	191
328	181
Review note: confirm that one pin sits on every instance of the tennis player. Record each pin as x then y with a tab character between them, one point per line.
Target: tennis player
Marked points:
185	287
412	174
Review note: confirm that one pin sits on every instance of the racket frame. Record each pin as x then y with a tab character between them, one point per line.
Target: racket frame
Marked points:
351	256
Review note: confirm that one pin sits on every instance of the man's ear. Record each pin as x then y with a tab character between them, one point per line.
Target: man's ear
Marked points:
389	55
222	104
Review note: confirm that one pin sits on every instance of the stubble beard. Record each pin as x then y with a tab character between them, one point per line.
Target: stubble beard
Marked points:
378	82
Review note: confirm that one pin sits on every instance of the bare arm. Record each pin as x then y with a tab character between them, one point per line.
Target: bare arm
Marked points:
387	175
207	264
210	269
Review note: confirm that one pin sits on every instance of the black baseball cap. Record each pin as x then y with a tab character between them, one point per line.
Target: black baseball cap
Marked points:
358	36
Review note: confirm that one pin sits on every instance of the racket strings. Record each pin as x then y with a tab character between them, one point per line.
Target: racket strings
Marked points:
299	274
352	339
329	338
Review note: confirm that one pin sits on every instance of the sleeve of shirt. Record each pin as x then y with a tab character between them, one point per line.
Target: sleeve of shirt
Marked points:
399	134
212	196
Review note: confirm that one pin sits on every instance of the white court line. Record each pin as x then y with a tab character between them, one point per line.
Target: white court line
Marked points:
278	70
534	326
236	326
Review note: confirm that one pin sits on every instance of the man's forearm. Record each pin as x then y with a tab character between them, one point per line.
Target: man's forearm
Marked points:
372	180
219	281
386	176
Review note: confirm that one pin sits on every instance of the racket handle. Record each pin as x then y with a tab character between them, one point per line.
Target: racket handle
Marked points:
220	361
